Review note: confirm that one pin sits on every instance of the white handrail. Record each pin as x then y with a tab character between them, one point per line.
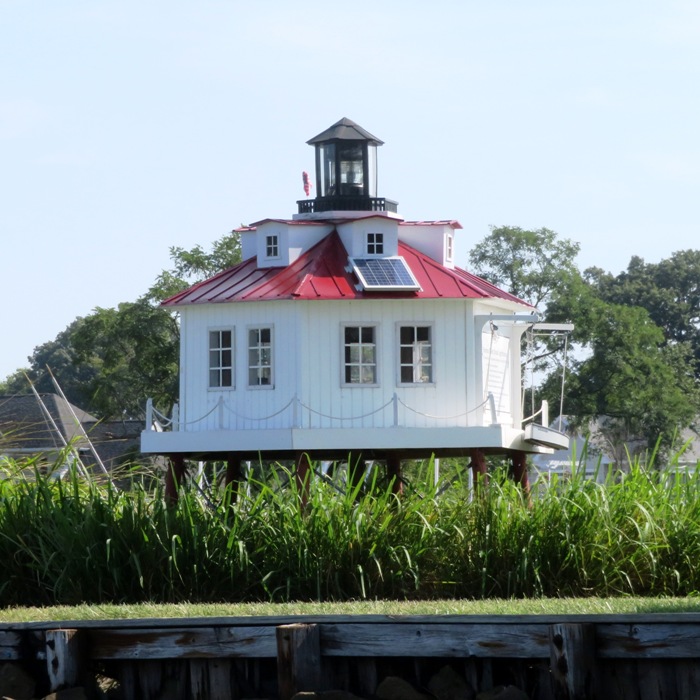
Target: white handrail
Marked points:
364	415
272	415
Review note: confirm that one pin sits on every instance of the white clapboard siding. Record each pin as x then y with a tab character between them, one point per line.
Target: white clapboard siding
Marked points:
243	406
334	404
308	364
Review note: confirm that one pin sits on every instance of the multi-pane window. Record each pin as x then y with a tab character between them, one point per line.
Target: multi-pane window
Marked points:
415	355
360	349
449	248
272	246
375	244
220	359
260	356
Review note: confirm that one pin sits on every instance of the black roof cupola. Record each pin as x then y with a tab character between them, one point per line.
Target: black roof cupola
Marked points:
346	171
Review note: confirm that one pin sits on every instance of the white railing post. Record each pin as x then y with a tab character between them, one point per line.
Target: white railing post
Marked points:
395	402
545	413
492	407
296	411
176	417
149	414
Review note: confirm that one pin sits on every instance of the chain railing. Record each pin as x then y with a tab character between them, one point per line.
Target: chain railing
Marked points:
155	420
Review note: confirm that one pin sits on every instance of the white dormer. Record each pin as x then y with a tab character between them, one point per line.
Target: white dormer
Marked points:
370	237
435	239
278	242
272	244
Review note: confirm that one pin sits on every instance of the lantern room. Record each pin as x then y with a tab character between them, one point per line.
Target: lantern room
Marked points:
346	171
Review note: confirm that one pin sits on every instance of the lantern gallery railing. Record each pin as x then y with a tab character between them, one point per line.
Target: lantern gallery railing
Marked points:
346	203
301	415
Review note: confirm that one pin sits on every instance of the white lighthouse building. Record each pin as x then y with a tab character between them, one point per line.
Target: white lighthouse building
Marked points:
347	330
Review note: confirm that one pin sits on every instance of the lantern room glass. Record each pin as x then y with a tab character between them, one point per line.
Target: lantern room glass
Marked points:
352	170
326	172
346	168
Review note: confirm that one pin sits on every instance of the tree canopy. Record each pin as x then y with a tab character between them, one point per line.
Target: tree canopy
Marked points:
529	264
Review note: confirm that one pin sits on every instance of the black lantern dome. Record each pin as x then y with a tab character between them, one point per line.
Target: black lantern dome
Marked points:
346	171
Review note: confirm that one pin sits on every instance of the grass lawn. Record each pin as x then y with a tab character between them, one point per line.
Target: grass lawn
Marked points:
540	606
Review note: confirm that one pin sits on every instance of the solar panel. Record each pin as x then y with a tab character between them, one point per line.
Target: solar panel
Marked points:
384	274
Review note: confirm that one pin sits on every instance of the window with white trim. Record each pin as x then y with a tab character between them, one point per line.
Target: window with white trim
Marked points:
375	244
449	248
272	246
360	354
260	356
221	359
415	355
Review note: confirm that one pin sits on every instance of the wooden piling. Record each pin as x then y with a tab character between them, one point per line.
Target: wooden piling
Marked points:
356	470
393	473
65	661
234	473
519	461
173	477
302	474
572	659
479	469
298	659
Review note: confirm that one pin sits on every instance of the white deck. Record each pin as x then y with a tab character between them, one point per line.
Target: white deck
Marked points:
338	439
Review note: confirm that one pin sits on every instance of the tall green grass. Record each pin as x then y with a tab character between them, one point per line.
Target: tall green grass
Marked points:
72	540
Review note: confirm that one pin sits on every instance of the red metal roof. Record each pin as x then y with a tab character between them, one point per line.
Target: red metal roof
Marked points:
443	222
321	274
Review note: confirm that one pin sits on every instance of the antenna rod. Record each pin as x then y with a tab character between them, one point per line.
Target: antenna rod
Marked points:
48	415
78	424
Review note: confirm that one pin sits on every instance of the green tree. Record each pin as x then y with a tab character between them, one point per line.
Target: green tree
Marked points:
192	266
670	292
58	354
637	390
529	264
134	352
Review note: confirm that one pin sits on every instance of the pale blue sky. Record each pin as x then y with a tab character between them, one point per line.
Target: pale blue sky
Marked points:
128	127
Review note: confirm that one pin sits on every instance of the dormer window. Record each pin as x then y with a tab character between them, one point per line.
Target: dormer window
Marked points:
375	244
272	246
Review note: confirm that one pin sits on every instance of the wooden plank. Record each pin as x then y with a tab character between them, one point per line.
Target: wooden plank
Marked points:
572	659
687	678
298	659
679	618
367	678
10	646
454	640
617	679
657	680
648	641
128	679
150	680
210	679
210	642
